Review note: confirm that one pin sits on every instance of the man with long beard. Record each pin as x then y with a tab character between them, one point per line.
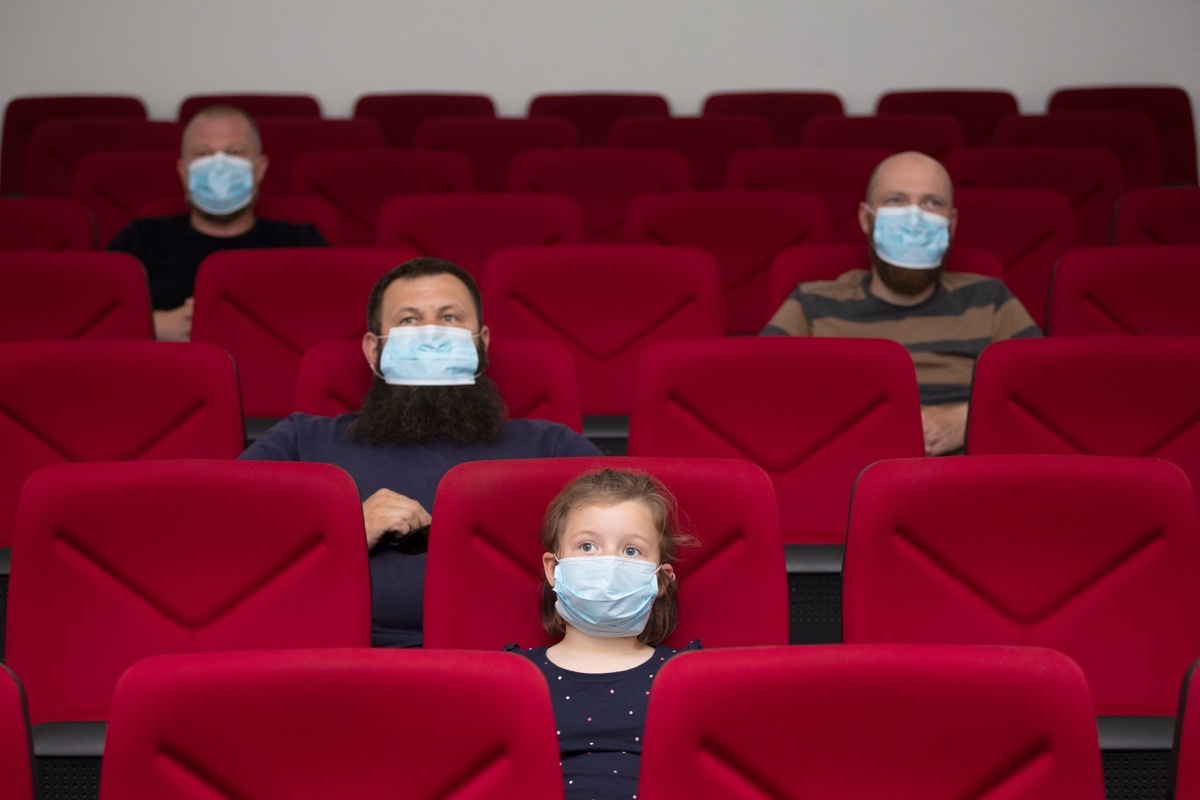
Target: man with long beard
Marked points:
429	408
221	165
945	319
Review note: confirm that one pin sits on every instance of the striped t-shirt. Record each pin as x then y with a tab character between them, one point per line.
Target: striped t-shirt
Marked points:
944	334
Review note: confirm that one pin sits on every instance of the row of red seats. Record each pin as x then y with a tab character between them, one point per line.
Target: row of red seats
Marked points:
1095	557
1167	111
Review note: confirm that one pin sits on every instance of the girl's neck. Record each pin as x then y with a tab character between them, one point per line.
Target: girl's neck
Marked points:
580	652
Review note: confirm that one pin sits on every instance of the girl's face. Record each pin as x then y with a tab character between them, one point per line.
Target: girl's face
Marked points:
624	529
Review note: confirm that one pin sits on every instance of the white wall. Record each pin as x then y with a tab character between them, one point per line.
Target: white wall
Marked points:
165	49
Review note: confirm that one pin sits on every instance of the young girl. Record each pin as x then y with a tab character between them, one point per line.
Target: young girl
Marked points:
611	538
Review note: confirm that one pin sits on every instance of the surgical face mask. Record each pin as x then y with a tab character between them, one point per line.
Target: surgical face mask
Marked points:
910	237
605	596
221	184
429	355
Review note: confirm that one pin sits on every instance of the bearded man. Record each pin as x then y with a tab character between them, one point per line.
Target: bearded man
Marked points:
945	319
429	408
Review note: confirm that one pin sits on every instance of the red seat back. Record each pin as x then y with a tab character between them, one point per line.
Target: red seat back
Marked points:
743	230
1185	764
399	115
246	720
16	747
838	175
936	721
285	139
256	105
45	223
107	570
977	110
1169	108
601	180
1126	290
268	307
1095	557
784	112
115	185
491	143
581	298
23	113
722	398
467	227
56	146
1028	229
706	142
1128	135
493	511
1090	177
1158	216
109	401
535	378
109	298
358	182
932	134
593	114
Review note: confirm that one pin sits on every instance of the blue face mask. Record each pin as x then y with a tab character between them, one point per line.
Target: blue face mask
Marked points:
605	596
910	237
429	355
221	184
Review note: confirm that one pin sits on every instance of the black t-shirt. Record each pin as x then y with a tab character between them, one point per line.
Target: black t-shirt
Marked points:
171	250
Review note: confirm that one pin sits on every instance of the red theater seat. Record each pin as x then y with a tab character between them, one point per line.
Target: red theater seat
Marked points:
593	114
115	185
16	749
706	142
732	586
1185	762
45	223
243	724
1158	216
285	139
399	115
582	297
743	230
1129	135
977	110
256	105
871	721
932	134
298	209
56	147
785	112
491	143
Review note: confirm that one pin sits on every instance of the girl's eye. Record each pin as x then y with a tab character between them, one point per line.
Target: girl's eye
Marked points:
587	547
631	551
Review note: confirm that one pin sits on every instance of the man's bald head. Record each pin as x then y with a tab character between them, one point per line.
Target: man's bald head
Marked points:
910	171
221	125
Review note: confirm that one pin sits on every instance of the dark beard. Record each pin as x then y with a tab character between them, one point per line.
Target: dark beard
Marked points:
408	414
904	281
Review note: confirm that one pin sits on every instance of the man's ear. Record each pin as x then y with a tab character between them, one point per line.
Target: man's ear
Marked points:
485	336
370	348
260	169
953	221
548	567
864	218
181	166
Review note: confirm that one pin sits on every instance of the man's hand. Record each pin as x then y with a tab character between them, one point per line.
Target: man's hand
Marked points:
945	428
386	511
174	325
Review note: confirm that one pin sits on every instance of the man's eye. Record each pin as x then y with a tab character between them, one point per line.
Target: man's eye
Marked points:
449	318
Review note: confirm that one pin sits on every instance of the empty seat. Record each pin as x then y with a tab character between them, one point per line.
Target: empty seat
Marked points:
601	180
977	110
1090	177
1158	216
932	134
852	722
298	209
285	139
45	223
21	114
268	307
1145	290
706	142
493	510
838	175
467	227
16	748
785	111
1184	780
1129	135
490	143
107	571
1028	229
357	182
115	185
332	723
535	378
593	114
83	295
56	147
273	104
743	230
817	262
1169	108
399	115
582	297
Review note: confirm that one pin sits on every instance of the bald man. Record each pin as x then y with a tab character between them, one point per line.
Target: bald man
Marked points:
221	166
945	319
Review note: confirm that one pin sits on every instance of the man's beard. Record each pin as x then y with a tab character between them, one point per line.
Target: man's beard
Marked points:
902	280
407	414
